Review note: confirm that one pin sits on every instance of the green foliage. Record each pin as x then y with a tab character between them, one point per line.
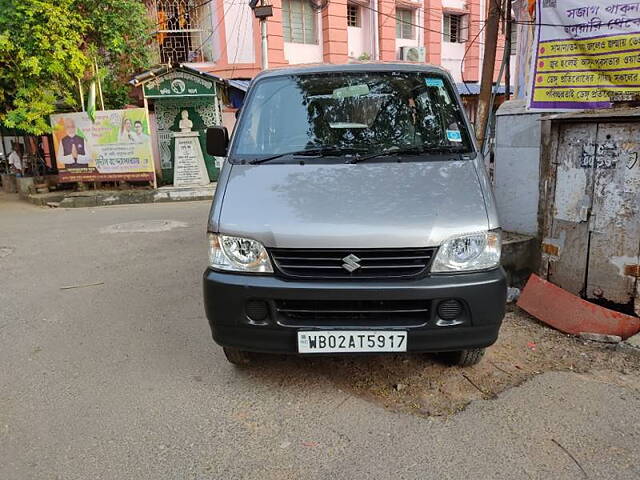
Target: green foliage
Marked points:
46	46
118	35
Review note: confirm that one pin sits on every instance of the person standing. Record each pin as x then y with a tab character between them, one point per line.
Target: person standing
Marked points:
15	159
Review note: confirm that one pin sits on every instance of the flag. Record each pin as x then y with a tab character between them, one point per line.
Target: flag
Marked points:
91	101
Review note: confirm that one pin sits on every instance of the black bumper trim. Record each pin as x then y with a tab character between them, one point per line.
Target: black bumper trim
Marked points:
225	296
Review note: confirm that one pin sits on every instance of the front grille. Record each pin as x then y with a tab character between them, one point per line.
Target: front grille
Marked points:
340	313
335	263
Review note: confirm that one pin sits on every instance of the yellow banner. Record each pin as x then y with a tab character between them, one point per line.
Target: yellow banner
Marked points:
587	54
587	79
581	95
577	63
611	44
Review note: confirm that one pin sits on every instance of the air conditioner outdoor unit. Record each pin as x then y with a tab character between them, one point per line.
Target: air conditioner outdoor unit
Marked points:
412	54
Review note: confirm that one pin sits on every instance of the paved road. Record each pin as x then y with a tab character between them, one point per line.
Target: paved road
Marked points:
122	381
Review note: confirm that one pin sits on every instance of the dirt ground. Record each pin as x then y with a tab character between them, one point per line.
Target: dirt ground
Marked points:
422	385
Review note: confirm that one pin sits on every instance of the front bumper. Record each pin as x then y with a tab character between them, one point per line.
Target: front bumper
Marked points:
483	296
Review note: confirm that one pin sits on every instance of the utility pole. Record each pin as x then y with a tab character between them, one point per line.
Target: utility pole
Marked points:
490	45
262	12
508	46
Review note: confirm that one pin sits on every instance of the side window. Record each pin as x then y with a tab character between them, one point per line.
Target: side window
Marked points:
440	117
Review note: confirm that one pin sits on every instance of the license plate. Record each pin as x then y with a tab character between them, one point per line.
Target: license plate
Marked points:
352	341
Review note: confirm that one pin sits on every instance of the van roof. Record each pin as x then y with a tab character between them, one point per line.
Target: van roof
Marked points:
353	67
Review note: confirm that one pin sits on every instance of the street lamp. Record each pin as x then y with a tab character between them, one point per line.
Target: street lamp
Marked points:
262	12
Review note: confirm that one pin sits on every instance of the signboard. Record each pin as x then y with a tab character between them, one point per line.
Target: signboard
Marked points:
116	147
189	168
178	83
588	54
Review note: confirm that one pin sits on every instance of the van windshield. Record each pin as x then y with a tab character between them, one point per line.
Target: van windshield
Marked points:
362	112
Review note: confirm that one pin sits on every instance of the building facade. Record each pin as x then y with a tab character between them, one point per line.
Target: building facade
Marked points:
223	37
208	41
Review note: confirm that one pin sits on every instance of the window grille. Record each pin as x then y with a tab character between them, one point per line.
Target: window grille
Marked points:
353	15
404	23
183	30
299	22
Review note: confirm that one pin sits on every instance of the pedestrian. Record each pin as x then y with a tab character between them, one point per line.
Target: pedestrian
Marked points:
15	157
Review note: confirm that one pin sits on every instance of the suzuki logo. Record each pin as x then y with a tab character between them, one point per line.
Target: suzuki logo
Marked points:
351	263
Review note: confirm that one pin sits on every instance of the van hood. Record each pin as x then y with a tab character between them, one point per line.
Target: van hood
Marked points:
375	205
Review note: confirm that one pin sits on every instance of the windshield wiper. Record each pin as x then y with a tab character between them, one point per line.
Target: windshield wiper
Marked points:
445	149
319	152
411	150
388	152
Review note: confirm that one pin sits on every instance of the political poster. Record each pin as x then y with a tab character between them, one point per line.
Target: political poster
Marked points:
117	146
587	54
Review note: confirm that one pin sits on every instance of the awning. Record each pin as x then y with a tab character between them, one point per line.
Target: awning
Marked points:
469	88
239	84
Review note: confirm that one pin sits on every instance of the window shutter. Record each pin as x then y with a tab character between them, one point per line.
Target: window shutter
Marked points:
286	24
464	29
297	33
446	23
309	23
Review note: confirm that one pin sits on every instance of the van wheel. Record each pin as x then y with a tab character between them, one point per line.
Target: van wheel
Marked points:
464	358
236	356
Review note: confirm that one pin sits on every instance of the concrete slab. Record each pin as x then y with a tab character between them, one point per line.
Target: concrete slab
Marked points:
100	198
518	257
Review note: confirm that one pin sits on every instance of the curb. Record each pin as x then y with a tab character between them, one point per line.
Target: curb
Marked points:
102	198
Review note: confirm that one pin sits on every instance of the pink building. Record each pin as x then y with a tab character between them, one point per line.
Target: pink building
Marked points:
222	37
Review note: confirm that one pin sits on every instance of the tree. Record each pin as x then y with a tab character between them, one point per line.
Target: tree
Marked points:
119	36
48	46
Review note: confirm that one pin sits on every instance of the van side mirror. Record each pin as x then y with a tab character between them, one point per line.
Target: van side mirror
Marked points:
217	141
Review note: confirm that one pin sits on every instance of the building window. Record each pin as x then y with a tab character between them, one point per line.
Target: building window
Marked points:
299	22
353	15
455	29
404	23
183	30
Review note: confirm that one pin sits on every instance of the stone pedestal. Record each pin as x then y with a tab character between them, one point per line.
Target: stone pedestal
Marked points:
189	168
9	183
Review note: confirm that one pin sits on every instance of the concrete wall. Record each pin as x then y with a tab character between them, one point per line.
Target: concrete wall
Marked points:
456	4
517	167
452	54
360	39
238	23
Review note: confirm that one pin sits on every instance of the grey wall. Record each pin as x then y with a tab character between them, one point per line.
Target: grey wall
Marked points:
517	160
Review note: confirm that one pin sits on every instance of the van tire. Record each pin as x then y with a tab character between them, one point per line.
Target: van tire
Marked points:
464	358
237	356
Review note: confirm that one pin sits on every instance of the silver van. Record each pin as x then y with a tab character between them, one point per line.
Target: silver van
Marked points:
353	214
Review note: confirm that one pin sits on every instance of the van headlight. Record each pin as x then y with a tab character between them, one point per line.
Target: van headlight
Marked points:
238	254
474	251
